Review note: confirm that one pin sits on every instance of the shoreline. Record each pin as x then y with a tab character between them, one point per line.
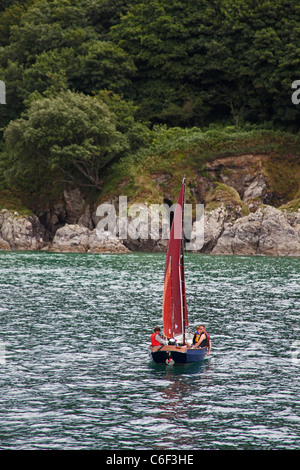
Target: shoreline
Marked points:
266	232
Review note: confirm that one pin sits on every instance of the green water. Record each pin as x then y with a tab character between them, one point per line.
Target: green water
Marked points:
74	368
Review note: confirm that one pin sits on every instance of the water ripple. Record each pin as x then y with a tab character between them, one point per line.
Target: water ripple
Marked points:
75	373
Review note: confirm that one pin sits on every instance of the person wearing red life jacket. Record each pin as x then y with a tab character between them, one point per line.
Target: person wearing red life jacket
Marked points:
156	339
202	339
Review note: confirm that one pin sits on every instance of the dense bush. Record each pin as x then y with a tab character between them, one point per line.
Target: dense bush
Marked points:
179	66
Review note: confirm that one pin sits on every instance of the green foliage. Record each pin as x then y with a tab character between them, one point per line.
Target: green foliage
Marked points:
51	46
200	145
176	151
6	4
223	194
206	60
11	202
72	133
113	74
183	63
137	133
11	16
189	69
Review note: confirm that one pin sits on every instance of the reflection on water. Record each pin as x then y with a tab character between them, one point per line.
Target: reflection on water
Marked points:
174	370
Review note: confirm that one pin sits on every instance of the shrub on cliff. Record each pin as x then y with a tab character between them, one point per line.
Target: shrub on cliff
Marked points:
73	134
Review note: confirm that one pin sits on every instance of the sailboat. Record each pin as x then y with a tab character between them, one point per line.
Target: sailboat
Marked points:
175	315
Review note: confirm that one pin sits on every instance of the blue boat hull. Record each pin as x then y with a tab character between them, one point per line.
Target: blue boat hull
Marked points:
178	355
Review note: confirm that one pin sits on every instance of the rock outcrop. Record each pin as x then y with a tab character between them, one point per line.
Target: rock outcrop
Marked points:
249	210
21	232
214	225
73	238
68	210
147	228
4	245
265	232
25	232
244	173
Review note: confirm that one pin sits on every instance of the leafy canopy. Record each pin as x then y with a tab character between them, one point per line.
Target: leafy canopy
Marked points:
72	133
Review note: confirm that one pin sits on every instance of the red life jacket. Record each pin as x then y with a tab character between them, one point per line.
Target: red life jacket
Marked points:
154	342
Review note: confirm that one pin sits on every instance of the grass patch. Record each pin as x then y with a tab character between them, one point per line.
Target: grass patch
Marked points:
156	170
223	194
284	176
291	206
12	203
177	152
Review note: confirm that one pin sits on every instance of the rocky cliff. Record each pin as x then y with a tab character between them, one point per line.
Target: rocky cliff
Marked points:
251	208
268	231
252	205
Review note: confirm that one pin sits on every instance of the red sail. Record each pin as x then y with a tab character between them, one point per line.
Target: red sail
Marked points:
174	300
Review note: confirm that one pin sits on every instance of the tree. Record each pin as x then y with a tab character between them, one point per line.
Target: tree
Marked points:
182	62
205	60
54	46
73	134
11	16
102	65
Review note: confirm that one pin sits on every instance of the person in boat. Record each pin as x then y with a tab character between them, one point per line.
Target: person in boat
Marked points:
156	339
201	339
197	334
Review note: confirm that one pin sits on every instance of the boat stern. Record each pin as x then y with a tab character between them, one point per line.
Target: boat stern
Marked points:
177	354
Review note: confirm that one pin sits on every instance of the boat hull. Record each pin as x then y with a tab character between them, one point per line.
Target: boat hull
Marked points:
179	355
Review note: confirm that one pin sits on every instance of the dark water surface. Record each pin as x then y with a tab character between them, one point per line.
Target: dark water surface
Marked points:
74	369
